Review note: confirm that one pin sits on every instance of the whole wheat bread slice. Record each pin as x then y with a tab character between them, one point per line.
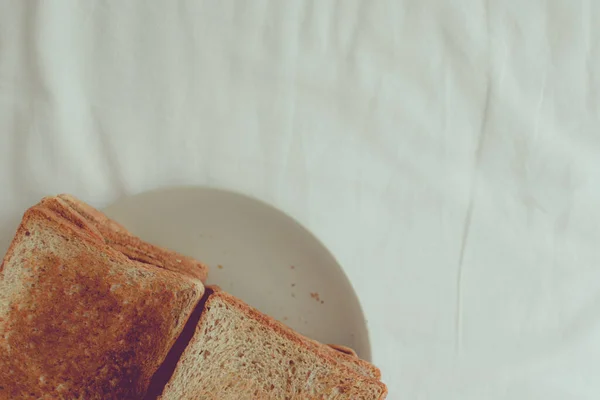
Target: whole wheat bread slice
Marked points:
133	247
343	354
239	353
78	319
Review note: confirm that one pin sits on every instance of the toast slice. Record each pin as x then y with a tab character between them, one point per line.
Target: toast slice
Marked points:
121	239
237	352
340	353
80	320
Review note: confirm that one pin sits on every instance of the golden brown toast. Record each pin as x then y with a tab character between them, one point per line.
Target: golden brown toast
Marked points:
78	319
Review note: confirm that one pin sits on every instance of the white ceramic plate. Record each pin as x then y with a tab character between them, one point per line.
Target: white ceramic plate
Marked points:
256	253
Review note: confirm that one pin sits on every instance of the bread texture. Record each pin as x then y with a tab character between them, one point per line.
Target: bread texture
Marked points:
239	353
118	237
79	319
340	353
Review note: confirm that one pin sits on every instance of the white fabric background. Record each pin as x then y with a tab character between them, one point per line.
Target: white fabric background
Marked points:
447	152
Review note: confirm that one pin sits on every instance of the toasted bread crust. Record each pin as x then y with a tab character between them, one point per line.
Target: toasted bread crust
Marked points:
133	247
349	376
343	349
75	314
349	357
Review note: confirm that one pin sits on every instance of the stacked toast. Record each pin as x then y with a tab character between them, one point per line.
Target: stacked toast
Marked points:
89	311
